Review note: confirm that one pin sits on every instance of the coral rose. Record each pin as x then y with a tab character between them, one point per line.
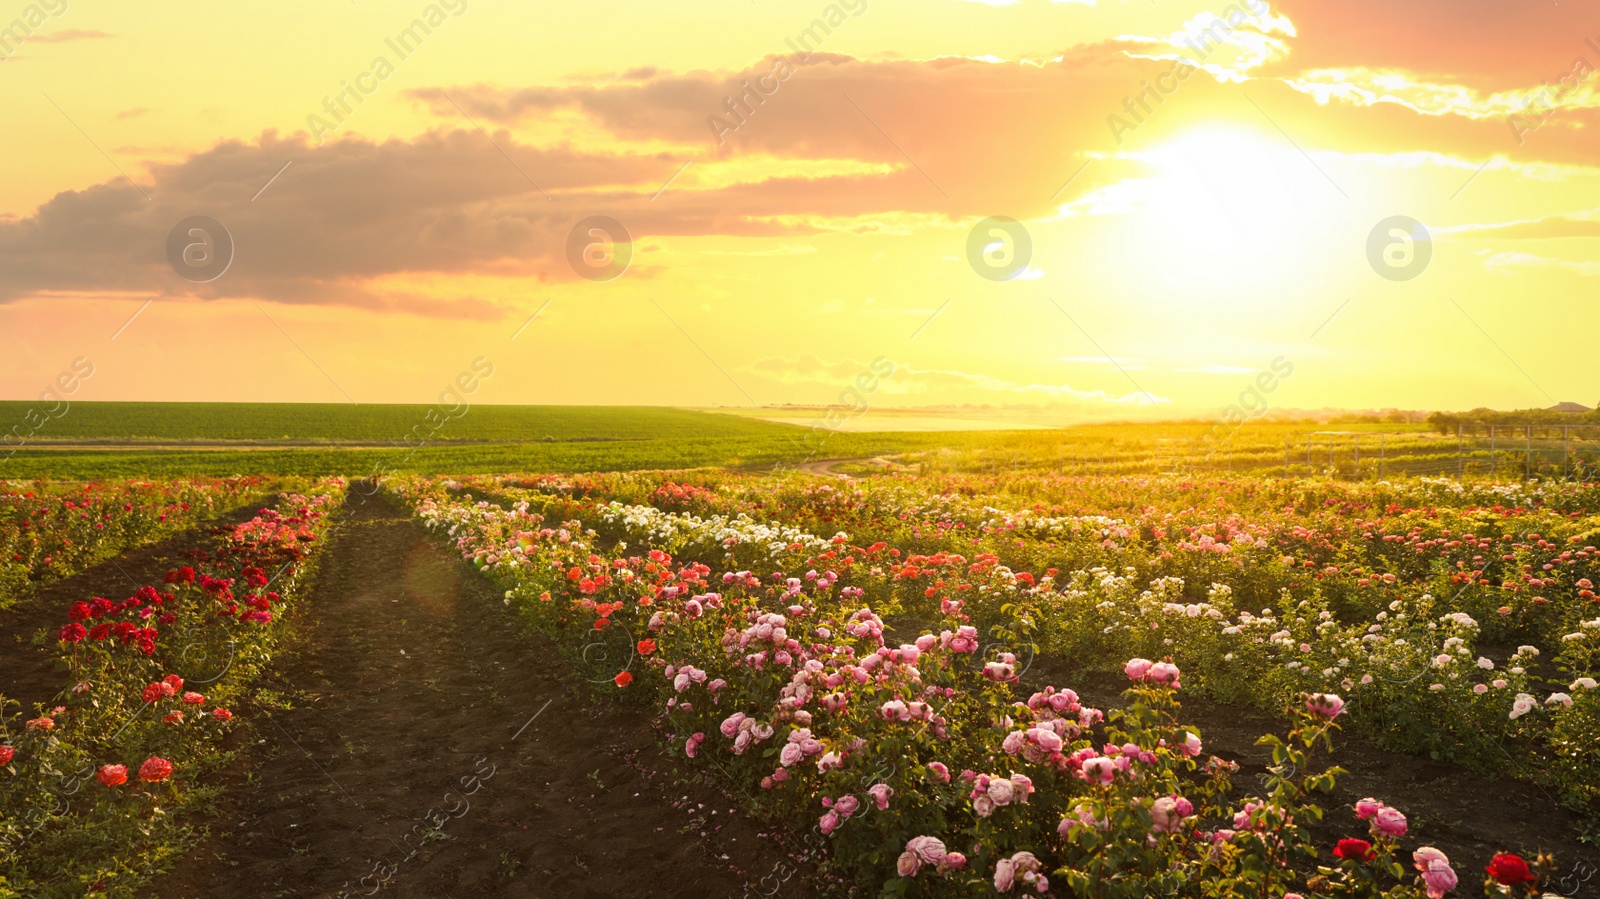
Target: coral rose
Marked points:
113	775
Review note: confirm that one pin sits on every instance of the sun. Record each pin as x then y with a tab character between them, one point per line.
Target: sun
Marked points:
1229	207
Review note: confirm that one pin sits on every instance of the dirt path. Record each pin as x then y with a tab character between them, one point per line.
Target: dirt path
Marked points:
408	682
29	672
824	467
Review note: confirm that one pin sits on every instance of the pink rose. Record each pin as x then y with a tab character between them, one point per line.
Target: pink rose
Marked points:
1166	816
1437	875
1136	669
1389	822
929	849
1099	770
1164	673
1022	866
939	772
880	794
1366	808
829	822
847	805
1326	705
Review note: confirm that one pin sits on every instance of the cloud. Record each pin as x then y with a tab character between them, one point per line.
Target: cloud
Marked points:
842	145
69	34
1578	224
353	212
1528	260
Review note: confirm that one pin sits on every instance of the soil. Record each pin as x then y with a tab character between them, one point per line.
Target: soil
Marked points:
29	670
407	680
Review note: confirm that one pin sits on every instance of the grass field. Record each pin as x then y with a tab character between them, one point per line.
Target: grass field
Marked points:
100	440
334	423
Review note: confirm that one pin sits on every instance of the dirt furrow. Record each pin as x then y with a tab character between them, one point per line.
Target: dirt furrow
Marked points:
420	738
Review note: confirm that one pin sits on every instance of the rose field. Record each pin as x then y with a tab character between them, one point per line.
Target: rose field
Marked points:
717	683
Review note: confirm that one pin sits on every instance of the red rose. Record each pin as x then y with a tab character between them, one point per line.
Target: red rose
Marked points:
113	775
222	714
193	698
624	679
74	633
173	681
153	693
6	754
173	718
155	770
1509	870
1355	850
601	623
647	646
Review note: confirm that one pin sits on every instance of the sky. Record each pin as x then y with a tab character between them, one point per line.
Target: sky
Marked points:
1107	210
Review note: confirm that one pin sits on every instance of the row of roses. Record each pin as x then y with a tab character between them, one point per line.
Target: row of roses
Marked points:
1395	657
48	532
135	709
814	687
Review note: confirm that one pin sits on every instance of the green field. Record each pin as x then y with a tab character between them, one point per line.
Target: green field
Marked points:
335	423
99	440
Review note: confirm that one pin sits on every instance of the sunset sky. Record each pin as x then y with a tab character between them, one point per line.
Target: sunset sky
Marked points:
1185	231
